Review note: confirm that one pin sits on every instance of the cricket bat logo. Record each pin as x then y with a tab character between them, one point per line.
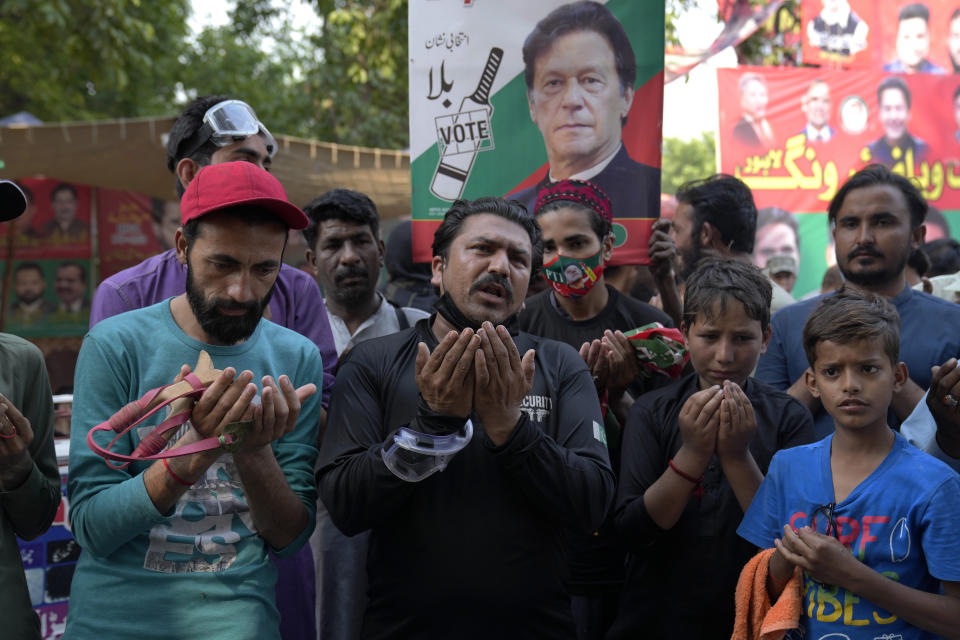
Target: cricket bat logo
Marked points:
462	135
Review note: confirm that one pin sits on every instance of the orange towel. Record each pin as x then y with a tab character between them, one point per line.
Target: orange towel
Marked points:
756	619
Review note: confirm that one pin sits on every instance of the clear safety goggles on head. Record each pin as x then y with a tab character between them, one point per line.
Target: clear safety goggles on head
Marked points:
231	121
414	456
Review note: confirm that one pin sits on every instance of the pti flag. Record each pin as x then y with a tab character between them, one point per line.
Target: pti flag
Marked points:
794	136
507	96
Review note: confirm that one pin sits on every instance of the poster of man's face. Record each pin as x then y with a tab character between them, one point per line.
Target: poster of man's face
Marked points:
63	200
910	124
816	104
913	41
29	284
509	97
578	101
894	113
754	97
918	37
70	284
580	71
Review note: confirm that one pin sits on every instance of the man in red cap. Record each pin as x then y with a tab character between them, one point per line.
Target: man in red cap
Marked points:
29	479
177	547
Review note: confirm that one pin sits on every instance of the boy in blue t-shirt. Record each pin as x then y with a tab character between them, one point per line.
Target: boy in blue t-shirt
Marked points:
870	519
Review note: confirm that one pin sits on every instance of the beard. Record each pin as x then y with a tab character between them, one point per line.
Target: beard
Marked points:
690	257
875	276
224	329
29	298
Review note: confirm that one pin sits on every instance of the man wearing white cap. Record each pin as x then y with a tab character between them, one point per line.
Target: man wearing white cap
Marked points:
29	479
782	269
177	547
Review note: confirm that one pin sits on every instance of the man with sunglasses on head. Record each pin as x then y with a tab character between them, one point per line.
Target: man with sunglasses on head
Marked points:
213	130
177	548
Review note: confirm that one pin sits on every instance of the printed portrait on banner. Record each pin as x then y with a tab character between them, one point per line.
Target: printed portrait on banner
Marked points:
506	97
823	125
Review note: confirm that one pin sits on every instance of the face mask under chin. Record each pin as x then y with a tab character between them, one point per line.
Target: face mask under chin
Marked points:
447	308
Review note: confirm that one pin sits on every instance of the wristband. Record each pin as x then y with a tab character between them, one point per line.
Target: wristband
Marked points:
175	476
697	482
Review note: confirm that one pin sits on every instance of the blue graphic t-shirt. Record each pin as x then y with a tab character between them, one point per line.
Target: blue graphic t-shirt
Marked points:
901	521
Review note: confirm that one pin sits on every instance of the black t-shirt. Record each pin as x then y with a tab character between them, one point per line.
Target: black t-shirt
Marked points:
475	551
543	317
596	562
681	582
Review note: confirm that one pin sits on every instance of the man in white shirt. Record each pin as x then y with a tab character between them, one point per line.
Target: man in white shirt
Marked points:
345	253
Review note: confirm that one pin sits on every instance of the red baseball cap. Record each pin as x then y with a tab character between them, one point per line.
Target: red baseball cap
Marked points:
228	184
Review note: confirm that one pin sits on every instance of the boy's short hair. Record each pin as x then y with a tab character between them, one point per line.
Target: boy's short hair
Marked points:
852	315
720	279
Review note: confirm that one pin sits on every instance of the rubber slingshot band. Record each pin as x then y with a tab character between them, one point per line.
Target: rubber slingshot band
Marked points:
182	396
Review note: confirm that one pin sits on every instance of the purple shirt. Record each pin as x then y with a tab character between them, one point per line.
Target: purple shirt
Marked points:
296	302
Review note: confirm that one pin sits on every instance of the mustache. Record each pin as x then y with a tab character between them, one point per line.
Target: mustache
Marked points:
353	271
494	278
864	251
233	305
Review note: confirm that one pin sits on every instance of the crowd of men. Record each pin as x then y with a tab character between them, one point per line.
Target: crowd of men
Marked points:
453	455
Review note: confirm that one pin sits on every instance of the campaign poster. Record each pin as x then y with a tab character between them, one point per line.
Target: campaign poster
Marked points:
484	123
896	36
795	135
55	224
840	33
49	298
133	227
919	37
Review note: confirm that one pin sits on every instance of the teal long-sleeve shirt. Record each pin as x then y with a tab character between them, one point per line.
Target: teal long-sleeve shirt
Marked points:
201	571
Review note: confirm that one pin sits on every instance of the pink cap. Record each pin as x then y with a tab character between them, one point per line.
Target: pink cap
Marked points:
229	184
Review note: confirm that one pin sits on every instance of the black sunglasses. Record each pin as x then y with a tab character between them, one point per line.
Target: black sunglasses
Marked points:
832	529
827	510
